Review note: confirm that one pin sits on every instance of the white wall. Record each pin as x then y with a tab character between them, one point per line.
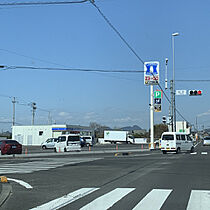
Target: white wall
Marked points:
34	135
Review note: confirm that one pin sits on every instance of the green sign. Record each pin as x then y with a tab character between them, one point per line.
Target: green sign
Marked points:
157	94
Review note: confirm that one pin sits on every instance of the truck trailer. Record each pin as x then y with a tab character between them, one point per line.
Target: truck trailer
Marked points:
118	136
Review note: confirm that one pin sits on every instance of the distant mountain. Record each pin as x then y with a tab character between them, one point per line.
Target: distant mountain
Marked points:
131	128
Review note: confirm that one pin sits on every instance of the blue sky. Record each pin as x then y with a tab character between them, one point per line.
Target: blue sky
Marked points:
76	36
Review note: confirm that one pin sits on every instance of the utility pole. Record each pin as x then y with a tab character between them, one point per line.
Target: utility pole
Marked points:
13	116
166	74
33	111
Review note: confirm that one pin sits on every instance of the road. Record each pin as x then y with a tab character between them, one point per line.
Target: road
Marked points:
137	180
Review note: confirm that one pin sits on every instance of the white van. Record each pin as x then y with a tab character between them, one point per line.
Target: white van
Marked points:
176	142
68	142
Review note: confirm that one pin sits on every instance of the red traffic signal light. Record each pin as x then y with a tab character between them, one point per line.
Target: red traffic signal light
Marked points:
195	92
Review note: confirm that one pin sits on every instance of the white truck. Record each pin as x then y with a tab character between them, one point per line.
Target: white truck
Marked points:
118	136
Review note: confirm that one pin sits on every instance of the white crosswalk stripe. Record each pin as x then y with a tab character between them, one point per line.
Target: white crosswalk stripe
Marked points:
65	200
199	200
45	164
108	200
153	200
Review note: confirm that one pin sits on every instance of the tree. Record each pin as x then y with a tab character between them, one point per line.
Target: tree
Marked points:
159	129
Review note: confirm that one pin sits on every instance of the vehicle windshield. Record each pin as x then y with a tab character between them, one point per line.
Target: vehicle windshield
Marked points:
168	137
73	138
11	142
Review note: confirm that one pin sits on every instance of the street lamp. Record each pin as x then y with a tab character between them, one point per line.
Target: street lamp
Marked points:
173	103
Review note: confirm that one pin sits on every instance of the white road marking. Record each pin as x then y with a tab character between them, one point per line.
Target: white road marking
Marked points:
153	200
46	164
193	153
204	153
66	199
108	200
24	184
199	200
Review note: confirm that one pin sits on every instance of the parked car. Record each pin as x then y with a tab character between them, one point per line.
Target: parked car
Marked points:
206	141
88	140
82	142
10	147
49	143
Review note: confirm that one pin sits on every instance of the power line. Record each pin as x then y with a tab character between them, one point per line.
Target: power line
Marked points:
195	80
71	69
30	57
129	46
42	3
116	31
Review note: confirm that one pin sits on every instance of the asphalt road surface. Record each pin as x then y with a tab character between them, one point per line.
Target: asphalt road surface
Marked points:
142	180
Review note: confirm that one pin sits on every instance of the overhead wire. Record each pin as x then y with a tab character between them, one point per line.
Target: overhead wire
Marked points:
132	50
116	31
73	69
42	3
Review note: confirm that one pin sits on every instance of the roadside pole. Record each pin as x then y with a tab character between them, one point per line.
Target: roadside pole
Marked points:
151	118
151	78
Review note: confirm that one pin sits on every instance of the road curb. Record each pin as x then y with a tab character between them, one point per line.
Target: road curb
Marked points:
38	155
5	192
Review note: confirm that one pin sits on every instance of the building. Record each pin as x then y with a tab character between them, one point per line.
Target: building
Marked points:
36	134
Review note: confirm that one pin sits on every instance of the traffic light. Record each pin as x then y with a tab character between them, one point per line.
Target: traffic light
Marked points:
164	119
195	92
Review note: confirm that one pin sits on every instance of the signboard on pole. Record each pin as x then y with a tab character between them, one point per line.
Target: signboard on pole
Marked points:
181	92
158	94
151	73
157	107
157	100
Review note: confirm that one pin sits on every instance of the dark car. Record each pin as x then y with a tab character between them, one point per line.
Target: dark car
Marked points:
10	147
82	142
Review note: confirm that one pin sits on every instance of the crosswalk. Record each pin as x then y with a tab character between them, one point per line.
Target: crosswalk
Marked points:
40	165
154	200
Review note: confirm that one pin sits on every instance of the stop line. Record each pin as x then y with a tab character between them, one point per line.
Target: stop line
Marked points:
154	200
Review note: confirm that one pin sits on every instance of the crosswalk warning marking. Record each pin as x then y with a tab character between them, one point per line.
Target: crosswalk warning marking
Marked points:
199	200
153	200
108	200
66	199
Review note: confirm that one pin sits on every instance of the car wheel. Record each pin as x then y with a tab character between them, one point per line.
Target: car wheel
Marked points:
44	147
192	150
55	150
65	150
178	150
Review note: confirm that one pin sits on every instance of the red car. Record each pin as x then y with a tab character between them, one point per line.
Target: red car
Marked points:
10	147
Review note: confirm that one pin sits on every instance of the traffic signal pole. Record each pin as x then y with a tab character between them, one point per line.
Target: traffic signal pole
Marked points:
151	118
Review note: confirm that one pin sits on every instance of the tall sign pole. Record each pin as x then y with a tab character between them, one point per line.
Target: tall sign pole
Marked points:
151	118
151	77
